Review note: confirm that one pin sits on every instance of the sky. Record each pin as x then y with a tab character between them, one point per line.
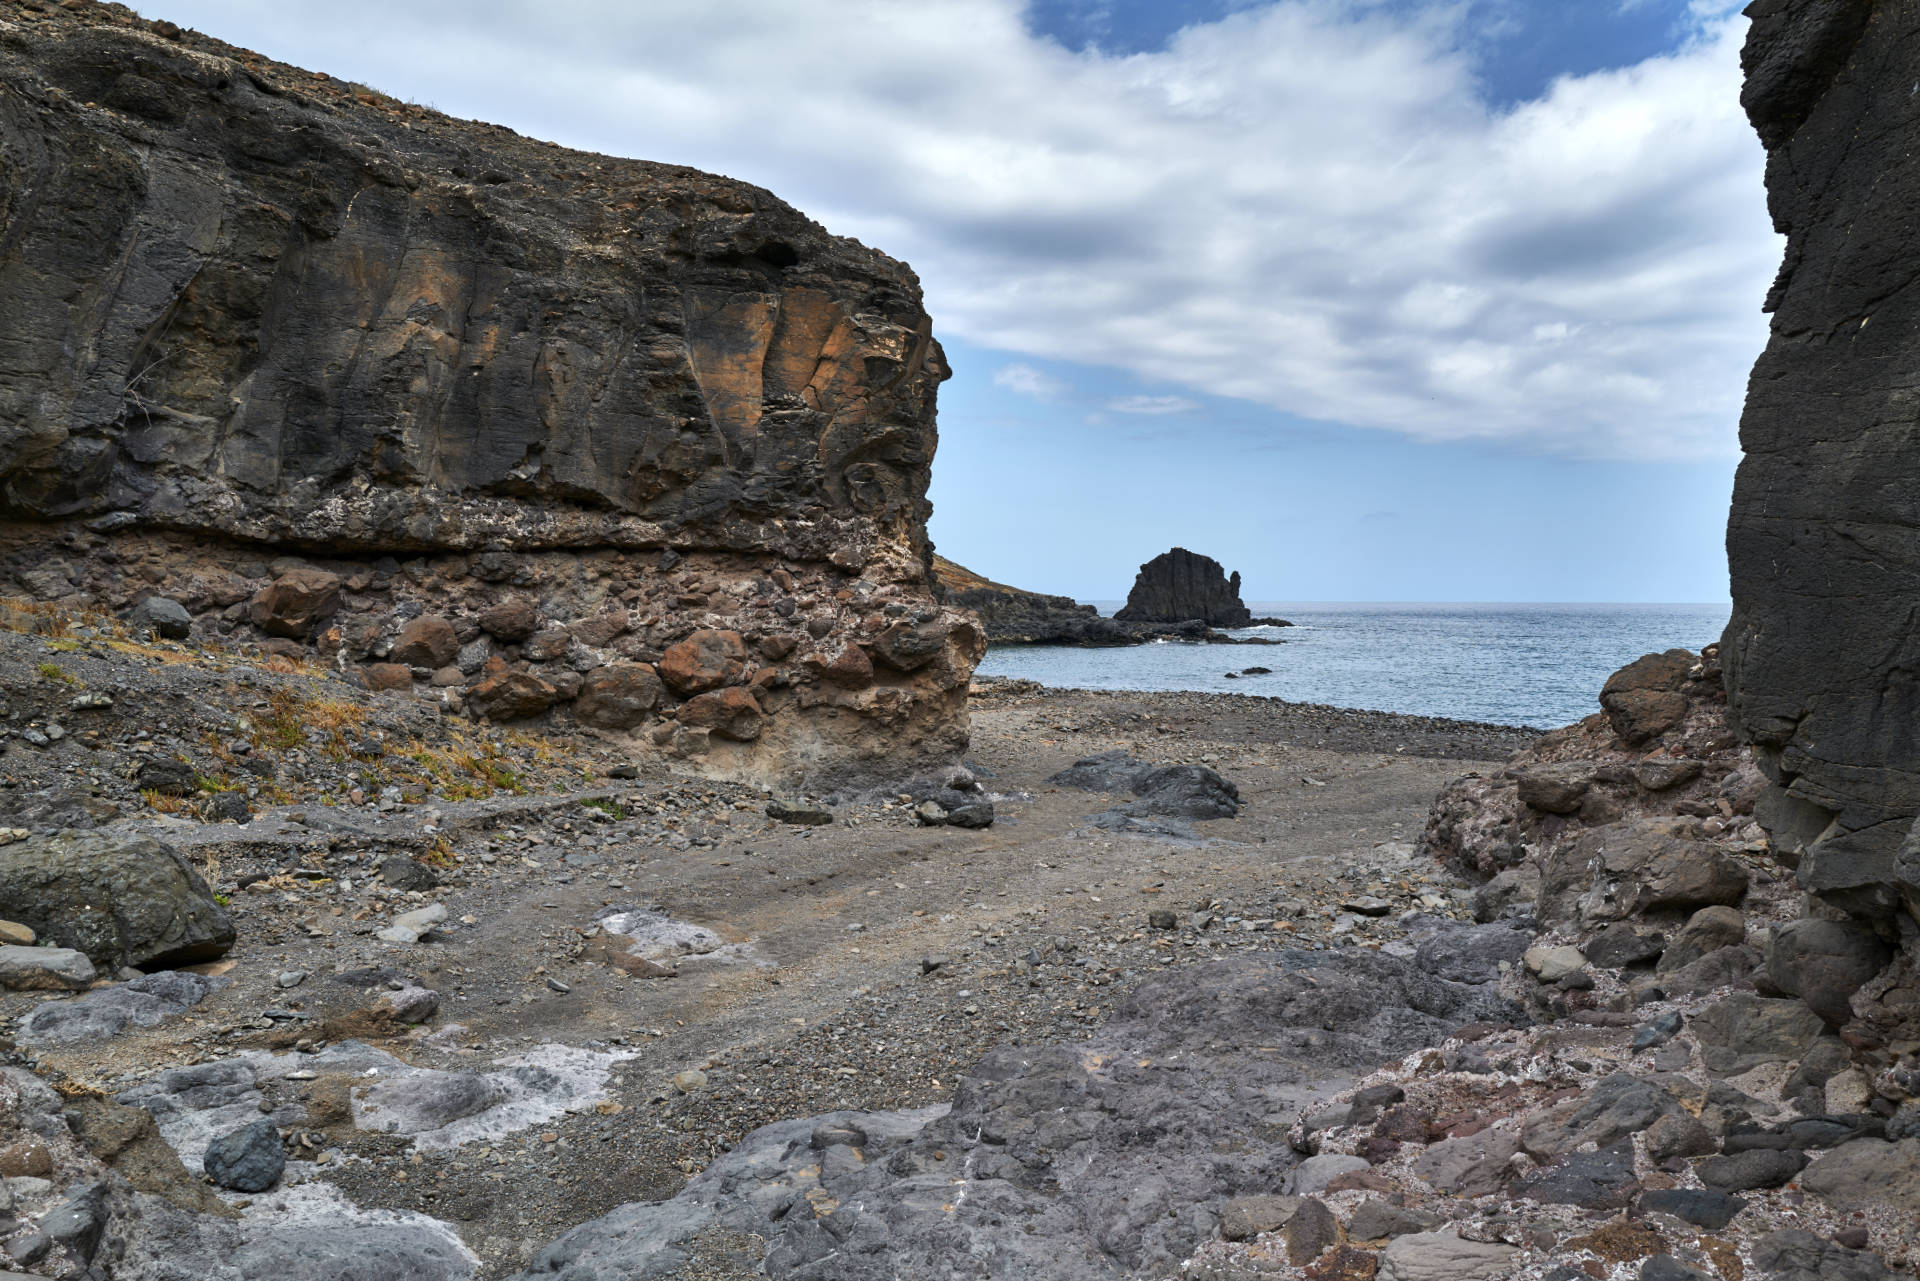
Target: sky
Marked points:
1368	299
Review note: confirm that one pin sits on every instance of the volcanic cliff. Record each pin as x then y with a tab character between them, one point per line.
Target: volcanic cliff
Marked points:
1821	653
417	395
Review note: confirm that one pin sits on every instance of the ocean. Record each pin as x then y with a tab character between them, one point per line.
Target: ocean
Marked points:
1536	665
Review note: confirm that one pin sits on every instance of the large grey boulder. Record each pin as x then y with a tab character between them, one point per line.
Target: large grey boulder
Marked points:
1825	962
1746	1030
1636	867
122	900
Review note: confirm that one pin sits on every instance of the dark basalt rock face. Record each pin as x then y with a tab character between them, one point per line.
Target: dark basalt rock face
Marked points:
1013	616
1823	541
1179	585
263	322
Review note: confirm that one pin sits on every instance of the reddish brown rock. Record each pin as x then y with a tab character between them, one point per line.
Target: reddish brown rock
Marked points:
849	669
598	632
510	621
618	696
1644	699
513	696
383	677
704	661
294	602
427	641
730	713
544	646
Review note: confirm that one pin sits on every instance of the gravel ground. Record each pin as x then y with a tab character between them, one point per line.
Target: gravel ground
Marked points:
876	957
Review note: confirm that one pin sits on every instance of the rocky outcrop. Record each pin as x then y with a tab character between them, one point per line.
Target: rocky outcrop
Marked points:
1179	585
1825	562
377	385
1014	616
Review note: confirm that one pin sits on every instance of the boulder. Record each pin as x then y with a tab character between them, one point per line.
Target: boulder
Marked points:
161	616
45	969
510	621
1824	963
1178	585
1600	1180
1752	1169
908	647
248	1159
1617	1107
704	661
416	1102
1443	1256
427	641
1744	1031
729	713
1702	1207
512	696
1678	1134
1472	953
1868	1174
1708	930
1662	773
1795	1255
1248	1216
1512	890
802	813
1551	964
1473	1166
1635	867
295	603
1622	944
386	678
618	696
1643	699
1555	789
122	900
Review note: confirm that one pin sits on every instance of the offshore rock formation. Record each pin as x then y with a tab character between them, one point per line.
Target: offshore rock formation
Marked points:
1821	651
1013	616
1179	585
420	395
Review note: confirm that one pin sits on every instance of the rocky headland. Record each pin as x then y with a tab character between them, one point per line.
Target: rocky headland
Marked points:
1014	616
555	435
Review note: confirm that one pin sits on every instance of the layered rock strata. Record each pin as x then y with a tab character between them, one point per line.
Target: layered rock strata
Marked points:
420	396
1825	561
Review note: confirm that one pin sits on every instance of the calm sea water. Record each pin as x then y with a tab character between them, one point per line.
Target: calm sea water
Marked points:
1538	665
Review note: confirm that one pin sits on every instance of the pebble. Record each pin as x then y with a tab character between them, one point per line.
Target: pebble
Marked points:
290	978
557	985
690	1080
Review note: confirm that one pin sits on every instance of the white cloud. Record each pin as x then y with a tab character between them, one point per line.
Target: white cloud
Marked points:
1152	405
1025	380
1305	205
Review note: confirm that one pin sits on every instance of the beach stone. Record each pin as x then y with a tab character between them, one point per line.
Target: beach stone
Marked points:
14	934
1601	1180
1312	1230
1616	1107
1664	1267
803	813
122	900
410	1004
45	969
1866	1173
976	815
1557	788
1551	964
1376	1220
1824	963
1313	1174
1756	1168
1658	1031
1473	1166
1622	944
1678	1134
1442	1256
1702	1207
1706	931
161	616
1472	953
1248	1216
1795	1255
403	873
1745	1030
249	1159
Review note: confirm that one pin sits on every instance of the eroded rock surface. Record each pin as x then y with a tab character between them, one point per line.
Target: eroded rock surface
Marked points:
385	388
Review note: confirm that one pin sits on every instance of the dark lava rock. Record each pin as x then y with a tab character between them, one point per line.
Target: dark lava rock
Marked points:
1601	1180
1179	585
802	813
1810	684
1701	1207
162	616
975	814
167	776
249	1159
1802	1256
1824	963
123	900
1165	791
108	1011
1074	1171
403	873
1757	1168
1658	1031
1614	1108
1664	1267
1472	953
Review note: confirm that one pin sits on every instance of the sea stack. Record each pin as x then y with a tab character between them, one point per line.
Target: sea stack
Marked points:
1178	585
569	437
